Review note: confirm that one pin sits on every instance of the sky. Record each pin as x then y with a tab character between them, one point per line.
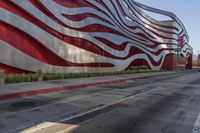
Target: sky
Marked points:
188	11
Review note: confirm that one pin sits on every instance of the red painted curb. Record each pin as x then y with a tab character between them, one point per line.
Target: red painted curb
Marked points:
64	88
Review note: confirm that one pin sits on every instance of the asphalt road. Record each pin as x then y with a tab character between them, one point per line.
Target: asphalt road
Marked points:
164	104
172	107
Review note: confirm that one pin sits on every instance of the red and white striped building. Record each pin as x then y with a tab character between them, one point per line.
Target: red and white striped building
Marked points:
88	36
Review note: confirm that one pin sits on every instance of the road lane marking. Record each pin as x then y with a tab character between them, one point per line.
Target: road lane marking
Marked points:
196	127
42	126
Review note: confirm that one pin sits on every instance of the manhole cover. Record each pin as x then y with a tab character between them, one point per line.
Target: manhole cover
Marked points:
22	104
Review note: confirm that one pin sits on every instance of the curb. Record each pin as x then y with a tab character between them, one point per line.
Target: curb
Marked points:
65	88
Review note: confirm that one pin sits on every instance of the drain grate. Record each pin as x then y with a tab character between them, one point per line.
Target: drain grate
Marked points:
22	104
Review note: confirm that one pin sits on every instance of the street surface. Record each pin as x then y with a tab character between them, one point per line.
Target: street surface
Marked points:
161	104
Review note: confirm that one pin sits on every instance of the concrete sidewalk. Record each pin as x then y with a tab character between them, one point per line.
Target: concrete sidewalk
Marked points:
11	91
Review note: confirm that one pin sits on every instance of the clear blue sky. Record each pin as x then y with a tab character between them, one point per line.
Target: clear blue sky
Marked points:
189	13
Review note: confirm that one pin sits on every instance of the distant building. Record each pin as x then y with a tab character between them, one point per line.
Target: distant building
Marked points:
196	61
82	36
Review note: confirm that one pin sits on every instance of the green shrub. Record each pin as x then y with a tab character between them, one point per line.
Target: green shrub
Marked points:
16	78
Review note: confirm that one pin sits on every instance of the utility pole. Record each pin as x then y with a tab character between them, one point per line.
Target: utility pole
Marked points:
198	59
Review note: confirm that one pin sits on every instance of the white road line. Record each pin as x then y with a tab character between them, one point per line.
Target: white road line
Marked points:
46	125
196	127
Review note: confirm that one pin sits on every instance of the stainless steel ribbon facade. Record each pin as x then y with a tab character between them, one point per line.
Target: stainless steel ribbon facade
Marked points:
85	36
